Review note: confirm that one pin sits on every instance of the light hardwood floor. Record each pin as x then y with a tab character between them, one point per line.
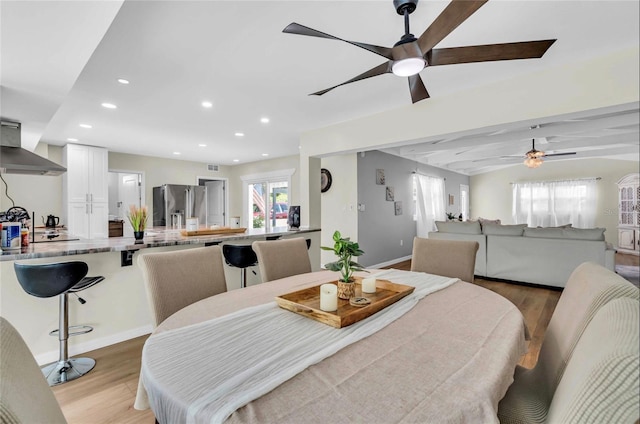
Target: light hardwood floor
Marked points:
107	393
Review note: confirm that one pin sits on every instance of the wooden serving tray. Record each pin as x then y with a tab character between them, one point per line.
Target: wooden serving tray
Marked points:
307	302
211	232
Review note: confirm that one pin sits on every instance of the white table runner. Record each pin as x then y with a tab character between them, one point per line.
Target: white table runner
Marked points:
241	356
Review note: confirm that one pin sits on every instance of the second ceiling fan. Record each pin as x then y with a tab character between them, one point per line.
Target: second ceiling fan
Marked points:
410	55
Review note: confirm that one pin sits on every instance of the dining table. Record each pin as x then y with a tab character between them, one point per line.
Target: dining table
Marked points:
446	353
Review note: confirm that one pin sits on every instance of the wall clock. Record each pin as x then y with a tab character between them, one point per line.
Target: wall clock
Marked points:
325	180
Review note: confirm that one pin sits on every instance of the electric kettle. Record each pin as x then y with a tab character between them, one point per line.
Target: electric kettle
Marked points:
51	222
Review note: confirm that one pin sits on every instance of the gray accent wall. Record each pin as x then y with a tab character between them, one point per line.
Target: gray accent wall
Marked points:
383	235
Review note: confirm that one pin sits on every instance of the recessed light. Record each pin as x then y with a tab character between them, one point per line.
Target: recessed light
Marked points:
207	104
86	126
109	105
265	154
123	81
202	145
176	153
264	120
236	160
72	139
239	134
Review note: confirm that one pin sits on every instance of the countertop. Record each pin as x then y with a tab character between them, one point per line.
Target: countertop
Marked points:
154	237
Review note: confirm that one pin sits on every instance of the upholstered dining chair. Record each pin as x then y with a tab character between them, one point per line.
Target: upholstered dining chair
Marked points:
25	396
589	288
449	258
176	279
282	258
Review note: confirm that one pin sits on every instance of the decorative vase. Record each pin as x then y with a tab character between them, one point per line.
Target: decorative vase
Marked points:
346	290
138	235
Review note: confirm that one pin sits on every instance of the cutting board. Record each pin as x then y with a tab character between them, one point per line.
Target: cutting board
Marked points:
213	231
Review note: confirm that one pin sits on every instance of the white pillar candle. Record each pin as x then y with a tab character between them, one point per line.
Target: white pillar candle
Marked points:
329	297
369	285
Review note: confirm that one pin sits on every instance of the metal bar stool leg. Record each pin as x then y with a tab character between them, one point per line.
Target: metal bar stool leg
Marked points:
66	369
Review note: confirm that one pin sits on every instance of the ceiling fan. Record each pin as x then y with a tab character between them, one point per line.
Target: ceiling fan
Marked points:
534	157
410	55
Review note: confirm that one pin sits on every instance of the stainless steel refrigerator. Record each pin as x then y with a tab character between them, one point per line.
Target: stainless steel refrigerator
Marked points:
174	202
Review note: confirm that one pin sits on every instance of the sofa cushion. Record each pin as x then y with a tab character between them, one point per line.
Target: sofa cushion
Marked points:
488	221
467	227
543	232
596	234
584	233
503	230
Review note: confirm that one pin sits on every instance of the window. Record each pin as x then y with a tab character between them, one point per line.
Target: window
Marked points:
555	203
429	203
266	192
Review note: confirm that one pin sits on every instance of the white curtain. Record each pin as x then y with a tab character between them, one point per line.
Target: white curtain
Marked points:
429	203
555	203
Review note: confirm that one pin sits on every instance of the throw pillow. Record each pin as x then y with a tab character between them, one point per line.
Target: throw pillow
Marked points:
488	221
543	232
465	227
503	230
584	233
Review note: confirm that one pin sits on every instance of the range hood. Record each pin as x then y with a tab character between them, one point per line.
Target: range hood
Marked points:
16	160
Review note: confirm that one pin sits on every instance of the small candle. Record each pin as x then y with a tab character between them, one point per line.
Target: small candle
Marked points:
329	297
369	285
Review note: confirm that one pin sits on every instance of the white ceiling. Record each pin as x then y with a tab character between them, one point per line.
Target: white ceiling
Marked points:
60	61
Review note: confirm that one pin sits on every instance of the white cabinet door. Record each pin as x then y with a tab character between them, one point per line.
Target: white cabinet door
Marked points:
98	220
626	238
78	219
76	179
98	173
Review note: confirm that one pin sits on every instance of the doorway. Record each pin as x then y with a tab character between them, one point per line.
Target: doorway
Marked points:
126	188
216	200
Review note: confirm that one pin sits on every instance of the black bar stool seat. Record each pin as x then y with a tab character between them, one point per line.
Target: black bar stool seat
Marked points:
60	279
240	256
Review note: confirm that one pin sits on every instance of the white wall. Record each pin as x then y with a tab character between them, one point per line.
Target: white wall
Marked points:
339	208
491	195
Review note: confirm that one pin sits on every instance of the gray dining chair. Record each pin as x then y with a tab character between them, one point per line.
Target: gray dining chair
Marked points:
449	258
176	279
25	396
282	258
589	288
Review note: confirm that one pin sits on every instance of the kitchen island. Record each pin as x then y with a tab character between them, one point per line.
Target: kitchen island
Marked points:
117	307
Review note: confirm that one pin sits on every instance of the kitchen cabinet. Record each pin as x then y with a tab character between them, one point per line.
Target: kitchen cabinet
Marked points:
629	214
85	188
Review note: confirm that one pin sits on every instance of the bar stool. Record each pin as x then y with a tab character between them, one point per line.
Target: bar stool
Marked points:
60	279
240	256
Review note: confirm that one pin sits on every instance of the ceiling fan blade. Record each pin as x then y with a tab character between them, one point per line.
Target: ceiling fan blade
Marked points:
383	68
559	154
453	15
488	52
417	88
295	28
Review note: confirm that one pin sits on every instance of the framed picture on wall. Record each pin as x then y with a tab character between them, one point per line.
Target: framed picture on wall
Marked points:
398	207
380	177
389	192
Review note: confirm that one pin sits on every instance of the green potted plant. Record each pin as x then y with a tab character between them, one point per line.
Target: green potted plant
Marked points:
345	250
138	219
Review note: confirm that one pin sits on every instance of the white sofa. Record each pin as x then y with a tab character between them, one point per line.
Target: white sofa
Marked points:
545	256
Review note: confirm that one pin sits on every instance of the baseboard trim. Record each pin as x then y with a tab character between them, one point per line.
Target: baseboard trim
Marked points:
52	356
521	283
389	263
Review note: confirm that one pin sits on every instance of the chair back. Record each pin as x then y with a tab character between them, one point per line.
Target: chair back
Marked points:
449	258
282	258
25	396
48	280
601	381
176	279
589	288
239	255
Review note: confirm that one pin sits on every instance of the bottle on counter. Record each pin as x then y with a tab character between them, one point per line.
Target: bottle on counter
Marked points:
24	234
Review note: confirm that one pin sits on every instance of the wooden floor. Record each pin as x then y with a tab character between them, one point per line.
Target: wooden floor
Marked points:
107	393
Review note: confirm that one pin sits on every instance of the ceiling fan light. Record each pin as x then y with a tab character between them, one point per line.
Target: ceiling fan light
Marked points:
532	162
407	67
